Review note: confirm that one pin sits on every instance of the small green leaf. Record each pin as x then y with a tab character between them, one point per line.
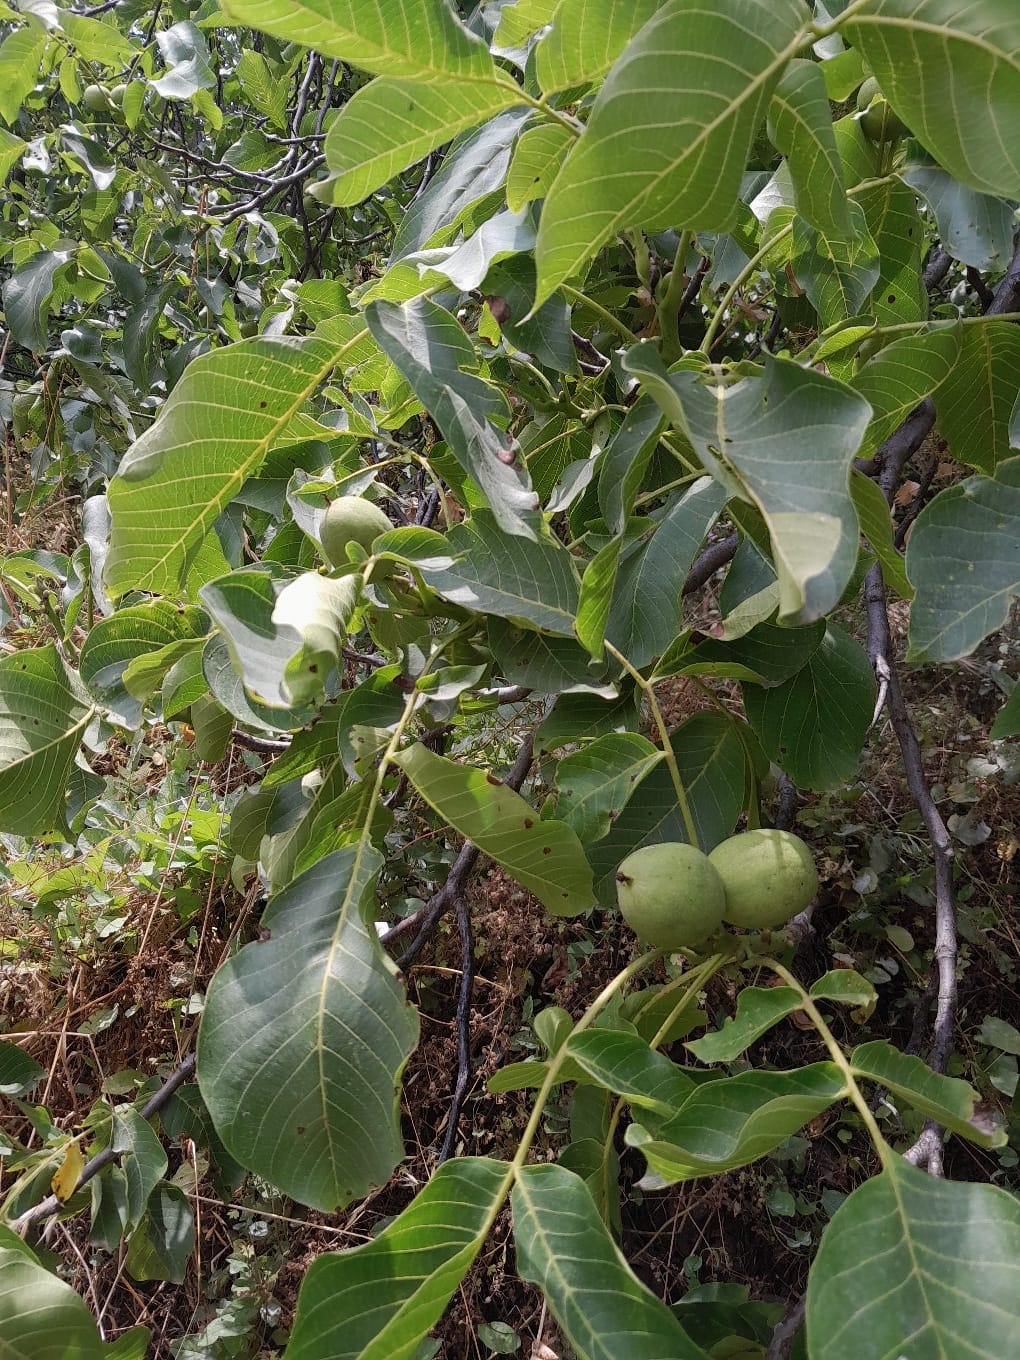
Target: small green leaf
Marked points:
132	636
975	400
838	271
766	655
845	986
595	783
976	229
18	1070
390	124
800	126
21	54
949	1101
533	584
814	725
645	613
536	160
623	1063
585	38
143	1160
712	763
758	1009
877	527
913	1265
417	38
565	1248
901	375
162	1245
545	857
734	1121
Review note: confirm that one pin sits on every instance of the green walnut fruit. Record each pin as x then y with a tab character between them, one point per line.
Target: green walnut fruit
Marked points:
96	98
869	90
670	895
350	519
768	876
879	123
117	93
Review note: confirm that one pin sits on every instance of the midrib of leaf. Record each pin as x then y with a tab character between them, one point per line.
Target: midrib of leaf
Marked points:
594	1341
259	450
385	53
627	214
915	1268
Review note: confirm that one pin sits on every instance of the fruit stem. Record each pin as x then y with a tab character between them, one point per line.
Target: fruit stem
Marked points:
552	1076
695	981
647	688
883	1149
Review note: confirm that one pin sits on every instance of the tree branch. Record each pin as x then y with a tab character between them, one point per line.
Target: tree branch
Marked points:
709	562
928	1149
1007	294
467	979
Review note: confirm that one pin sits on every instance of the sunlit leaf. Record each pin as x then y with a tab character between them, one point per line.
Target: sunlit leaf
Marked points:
669	134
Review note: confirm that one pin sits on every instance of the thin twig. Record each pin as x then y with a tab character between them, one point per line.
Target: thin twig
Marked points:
51	1204
880	651
467	978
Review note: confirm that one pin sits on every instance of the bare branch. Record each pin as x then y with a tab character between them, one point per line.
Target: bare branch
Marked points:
467	979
